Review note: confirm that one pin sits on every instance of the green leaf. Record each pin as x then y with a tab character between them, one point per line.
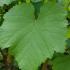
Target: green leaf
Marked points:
68	33
36	0
27	1
65	3
5	2
32	41
61	62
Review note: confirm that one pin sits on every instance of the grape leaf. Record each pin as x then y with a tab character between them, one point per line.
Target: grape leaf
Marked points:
61	63
32	41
